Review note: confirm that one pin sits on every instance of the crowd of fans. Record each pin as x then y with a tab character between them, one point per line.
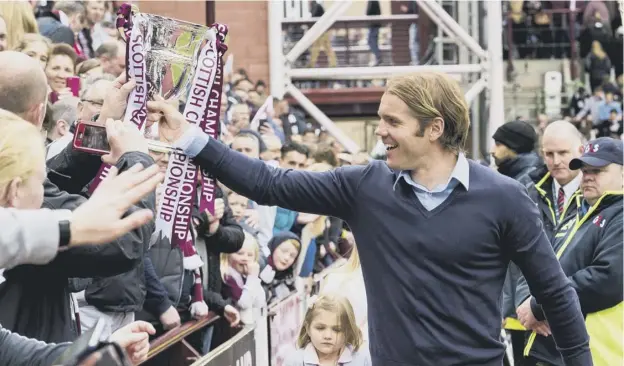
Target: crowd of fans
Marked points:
252	256
249	252
541	29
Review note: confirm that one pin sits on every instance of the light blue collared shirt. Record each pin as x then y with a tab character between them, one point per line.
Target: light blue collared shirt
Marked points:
192	141
431	199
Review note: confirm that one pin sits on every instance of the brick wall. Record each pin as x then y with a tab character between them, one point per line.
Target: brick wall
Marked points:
247	21
248	40
190	11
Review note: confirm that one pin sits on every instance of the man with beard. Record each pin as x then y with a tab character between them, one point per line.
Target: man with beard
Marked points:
514	156
513	149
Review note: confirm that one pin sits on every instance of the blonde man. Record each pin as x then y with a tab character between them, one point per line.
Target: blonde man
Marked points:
435	231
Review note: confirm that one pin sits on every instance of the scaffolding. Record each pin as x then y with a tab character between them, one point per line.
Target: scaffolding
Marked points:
486	63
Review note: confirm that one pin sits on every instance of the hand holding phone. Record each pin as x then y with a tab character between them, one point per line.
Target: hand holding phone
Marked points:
91	138
73	83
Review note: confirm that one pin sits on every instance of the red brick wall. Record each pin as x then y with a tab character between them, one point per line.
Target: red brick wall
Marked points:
247	22
248	39
190	11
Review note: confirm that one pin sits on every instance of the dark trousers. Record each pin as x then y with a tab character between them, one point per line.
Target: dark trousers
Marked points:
530	361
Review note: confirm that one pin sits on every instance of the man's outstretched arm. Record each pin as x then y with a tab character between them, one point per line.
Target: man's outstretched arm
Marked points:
329	193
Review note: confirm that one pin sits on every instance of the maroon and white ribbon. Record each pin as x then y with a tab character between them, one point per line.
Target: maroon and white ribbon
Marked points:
137	101
175	206
211	124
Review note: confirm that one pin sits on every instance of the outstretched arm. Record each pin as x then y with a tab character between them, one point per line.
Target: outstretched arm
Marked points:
329	193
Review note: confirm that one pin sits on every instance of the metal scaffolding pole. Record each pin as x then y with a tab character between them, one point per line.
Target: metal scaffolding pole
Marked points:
483	62
276	49
344	73
321	26
475	90
321	118
460	33
496	75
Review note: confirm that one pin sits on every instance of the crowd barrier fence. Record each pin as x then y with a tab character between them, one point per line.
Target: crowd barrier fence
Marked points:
264	344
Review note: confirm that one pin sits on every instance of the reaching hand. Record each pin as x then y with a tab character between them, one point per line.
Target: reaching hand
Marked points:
252	269
64	93
170	318
172	125
528	320
232	315
123	137
252	218
116	99
134	338
101	219
199	310
214	220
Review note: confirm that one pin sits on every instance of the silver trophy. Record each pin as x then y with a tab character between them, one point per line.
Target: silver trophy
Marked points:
171	48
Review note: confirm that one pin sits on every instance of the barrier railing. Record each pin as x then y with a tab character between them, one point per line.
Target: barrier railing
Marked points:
172	348
264	344
556	39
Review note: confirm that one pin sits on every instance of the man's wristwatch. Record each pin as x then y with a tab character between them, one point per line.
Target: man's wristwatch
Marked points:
64	222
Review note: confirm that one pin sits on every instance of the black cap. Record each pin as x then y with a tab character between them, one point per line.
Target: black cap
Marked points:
600	152
519	136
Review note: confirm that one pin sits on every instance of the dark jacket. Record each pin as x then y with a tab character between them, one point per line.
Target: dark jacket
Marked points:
316	10
16	350
168	268
589	247
34	301
125	292
518	168
227	239
598	68
157	299
539	184
50	26
373	8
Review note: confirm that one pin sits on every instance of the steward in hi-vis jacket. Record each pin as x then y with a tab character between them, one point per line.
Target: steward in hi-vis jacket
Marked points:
589	247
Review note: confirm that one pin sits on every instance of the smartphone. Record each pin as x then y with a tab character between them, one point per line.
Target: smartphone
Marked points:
91	138
73	83
83	346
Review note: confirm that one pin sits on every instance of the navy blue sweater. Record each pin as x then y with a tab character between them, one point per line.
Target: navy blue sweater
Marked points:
433	278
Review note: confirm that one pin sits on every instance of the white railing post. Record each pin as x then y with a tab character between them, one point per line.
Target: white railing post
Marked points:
321	118
496	72
373	72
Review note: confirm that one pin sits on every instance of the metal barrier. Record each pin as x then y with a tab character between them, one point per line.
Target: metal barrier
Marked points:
556	39
172	348
264	344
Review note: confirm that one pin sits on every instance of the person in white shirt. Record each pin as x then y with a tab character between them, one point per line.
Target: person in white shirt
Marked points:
348	281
